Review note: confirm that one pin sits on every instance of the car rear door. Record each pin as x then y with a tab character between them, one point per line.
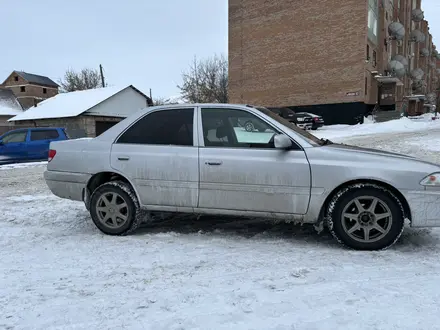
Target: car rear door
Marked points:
159	155
39	140
13	147
242	170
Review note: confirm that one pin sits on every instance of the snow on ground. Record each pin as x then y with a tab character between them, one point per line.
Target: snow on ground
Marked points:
58	271
21	165
336	132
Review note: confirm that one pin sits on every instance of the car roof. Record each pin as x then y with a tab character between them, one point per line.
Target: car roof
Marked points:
192	105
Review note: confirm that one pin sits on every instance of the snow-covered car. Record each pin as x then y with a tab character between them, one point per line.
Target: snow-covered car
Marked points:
193	159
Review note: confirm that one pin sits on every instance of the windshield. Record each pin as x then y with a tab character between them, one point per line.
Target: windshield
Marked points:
310	137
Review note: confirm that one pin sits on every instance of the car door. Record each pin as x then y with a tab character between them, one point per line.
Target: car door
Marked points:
243	171
39	140
13	146
159	156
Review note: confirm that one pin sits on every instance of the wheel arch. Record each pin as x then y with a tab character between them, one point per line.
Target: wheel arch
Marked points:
107	176
394	190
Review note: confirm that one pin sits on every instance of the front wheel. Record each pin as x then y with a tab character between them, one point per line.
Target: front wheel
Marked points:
115	209
366	217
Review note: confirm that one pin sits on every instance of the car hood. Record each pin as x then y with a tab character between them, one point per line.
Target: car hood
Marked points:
371	151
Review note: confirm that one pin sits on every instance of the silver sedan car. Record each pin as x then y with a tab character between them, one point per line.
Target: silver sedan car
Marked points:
198	159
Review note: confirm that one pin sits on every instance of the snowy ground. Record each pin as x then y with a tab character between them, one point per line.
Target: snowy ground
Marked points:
58	272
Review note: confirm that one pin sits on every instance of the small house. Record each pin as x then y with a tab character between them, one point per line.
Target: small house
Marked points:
85	113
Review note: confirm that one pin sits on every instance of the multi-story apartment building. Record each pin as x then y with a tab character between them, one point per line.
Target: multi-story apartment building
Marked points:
336	58
30	89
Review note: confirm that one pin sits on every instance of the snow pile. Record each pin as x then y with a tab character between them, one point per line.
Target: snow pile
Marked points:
68	104
22	165
393	126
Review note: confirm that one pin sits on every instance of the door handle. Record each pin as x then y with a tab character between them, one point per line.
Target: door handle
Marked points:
123	158
214	162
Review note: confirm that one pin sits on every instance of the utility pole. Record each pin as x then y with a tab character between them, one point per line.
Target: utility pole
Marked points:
102	75
151	95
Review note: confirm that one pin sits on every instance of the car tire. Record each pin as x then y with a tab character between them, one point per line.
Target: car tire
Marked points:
366	217
115	209
249	126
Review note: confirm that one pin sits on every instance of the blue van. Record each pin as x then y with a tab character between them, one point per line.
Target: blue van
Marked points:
29	144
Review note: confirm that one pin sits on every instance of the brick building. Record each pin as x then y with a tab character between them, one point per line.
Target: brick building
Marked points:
30	89
330	57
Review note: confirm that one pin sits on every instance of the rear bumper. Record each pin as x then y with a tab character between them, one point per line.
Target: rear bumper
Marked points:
425	208
304	125
66	184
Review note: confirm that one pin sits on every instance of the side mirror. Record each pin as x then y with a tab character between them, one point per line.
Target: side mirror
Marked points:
282	141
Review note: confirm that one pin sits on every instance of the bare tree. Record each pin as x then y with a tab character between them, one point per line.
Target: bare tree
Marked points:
77	81
206	81
162	101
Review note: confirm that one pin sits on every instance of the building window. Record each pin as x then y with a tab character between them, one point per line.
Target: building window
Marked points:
22	89
44	90
16	78
374	58
372	20
368	52
366	86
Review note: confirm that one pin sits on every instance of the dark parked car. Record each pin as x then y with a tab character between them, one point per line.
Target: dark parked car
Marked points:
317	121
28	144
302	121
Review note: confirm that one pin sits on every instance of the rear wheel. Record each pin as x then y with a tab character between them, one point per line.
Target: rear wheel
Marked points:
366	217
115	209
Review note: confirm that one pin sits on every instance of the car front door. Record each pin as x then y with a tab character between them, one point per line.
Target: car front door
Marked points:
241	170
39	140
13	147
159	156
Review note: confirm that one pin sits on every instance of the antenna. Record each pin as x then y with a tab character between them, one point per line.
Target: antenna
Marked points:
417	15
397	69
417	36
424	52
417	74
396	31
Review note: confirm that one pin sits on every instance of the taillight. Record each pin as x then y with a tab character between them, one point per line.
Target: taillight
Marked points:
52	154
316	119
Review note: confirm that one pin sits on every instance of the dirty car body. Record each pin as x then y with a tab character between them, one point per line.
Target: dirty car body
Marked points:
195	159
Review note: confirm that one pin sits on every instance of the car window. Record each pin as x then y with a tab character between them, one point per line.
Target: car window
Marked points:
163	127
49	134
236	129
309	137
15	137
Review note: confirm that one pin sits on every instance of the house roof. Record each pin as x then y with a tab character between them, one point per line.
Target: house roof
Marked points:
5	110
37	79
8	99
71	104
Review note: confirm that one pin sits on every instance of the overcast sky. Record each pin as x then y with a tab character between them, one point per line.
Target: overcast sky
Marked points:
141	42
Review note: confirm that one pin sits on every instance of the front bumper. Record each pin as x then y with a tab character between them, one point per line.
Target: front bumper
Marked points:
67	184
425	208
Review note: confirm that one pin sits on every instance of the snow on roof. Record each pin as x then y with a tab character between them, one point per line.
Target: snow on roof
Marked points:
7	110
66	105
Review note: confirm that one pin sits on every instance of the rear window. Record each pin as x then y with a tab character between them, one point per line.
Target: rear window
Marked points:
49	134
